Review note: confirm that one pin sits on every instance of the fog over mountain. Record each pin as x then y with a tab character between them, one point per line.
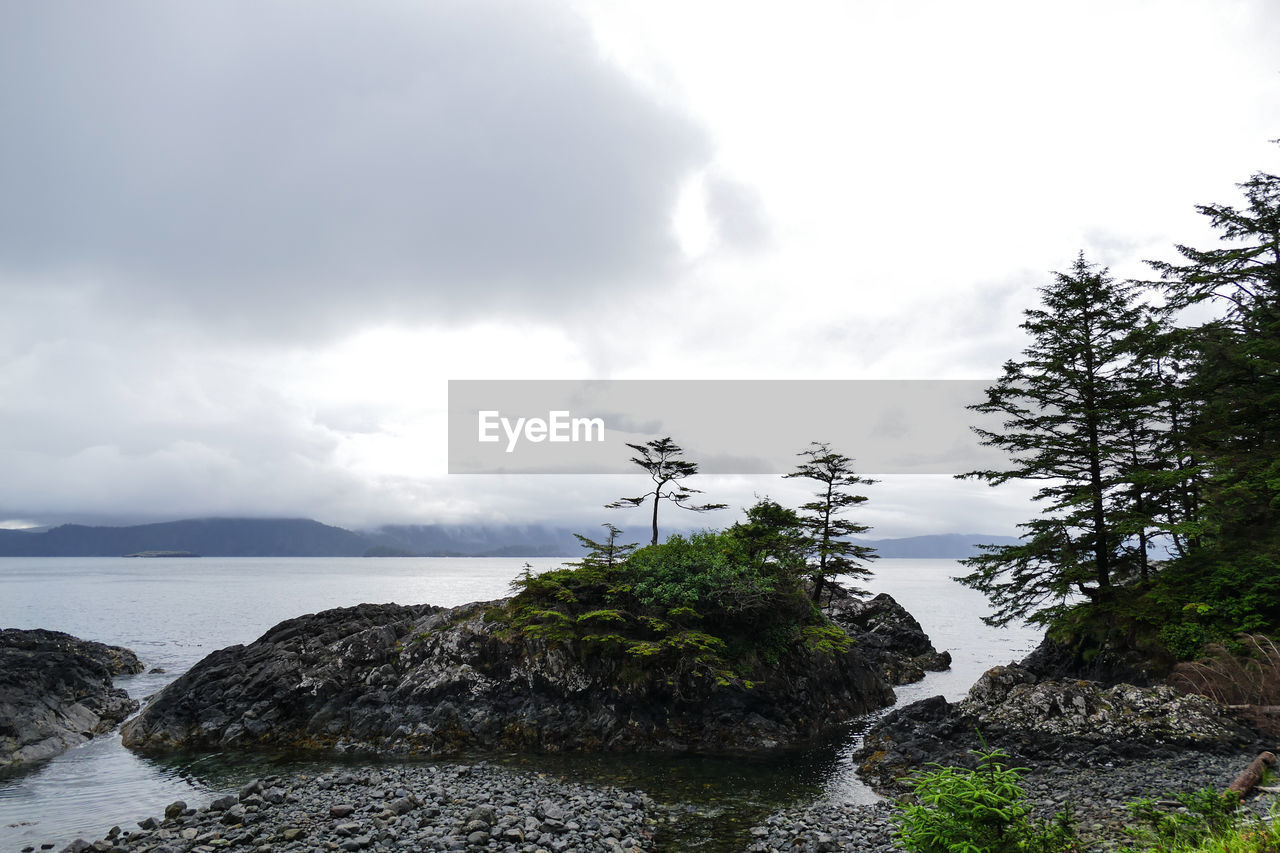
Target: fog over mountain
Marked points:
295	537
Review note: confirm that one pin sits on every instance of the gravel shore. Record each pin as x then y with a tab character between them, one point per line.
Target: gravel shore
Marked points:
490	807
403	808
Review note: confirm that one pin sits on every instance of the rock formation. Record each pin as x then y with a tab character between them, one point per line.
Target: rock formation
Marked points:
56	692
420	679
889	637
1080	721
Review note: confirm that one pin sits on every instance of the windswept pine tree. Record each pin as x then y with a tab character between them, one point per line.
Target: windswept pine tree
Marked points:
660	459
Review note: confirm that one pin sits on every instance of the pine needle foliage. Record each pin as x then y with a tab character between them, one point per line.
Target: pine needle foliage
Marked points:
662	460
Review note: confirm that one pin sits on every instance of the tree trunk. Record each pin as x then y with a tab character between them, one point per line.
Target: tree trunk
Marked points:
1252	775
817	589
656	496
1101	548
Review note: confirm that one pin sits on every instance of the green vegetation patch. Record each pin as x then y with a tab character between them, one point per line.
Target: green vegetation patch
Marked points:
710	608
957	810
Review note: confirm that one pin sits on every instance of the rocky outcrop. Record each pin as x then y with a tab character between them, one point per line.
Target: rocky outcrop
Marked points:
397	679
1072	721
1009	701
889	637
56	692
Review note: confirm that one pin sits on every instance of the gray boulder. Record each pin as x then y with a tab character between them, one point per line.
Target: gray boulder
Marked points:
56	692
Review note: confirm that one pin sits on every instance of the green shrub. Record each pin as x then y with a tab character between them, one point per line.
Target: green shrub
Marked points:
704	570
1207	821
978	811
1184	640
1205	814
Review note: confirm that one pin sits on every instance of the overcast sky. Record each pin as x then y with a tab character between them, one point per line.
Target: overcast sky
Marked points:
244	244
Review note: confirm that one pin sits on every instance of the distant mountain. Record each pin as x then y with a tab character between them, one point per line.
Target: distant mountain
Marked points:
209	537
300	537
943	546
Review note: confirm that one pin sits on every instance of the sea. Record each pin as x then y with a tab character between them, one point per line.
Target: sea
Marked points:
174	611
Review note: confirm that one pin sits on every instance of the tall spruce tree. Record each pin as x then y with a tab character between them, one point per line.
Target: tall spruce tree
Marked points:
1076	419
831	554
1234	427
660	459
1236	379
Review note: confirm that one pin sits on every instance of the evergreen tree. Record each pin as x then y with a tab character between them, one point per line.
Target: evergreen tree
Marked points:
830	553
1233	578
660	458
1165	472
1075	419
606	554
1236	380
775	535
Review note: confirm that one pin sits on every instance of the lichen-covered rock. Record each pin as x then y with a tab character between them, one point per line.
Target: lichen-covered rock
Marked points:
397	679
889	637
56	692
1007	708
1010	700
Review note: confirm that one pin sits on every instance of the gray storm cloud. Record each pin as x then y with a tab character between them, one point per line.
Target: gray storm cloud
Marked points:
285	166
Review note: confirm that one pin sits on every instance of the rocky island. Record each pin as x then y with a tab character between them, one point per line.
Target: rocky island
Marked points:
707	643
425	680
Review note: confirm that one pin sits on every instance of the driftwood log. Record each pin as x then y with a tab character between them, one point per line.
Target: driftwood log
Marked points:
1252	775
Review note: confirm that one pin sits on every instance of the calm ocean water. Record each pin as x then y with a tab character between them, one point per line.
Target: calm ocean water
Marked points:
173	612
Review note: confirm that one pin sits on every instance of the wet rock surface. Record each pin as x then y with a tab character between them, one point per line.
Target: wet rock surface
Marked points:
1008	700
56	692
423	680
889	637
402	808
